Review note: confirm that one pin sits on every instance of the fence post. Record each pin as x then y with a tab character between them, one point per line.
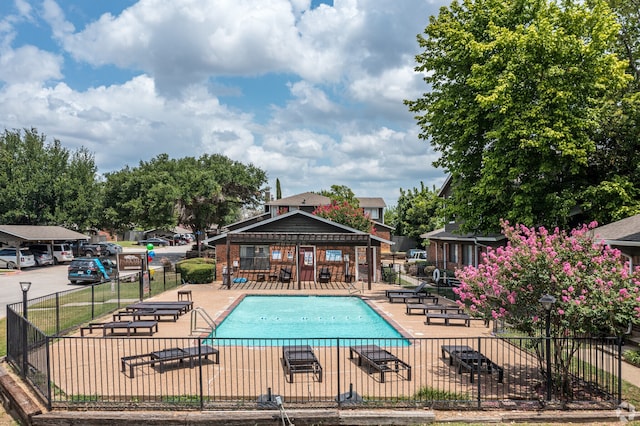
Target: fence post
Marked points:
93	301
57	312
478	380
338	367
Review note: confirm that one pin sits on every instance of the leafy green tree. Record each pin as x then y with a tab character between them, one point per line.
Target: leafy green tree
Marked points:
195	193
586	277
341	194
44	183
419	210
515	93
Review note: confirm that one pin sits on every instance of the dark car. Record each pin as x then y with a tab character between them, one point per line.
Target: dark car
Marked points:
109	248
91	270
161	242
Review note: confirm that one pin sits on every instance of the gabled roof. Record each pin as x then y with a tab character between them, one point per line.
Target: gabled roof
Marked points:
313	199
446	234
304	199
38	233
625	232
371	202
294	223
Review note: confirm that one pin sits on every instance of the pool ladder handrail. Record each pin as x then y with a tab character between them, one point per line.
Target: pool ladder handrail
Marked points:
200	312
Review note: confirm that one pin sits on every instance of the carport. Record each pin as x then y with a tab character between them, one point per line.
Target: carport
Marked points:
17	235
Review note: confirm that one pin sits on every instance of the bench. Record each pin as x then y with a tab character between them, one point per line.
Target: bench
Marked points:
450	349
466	319
154	314
130	328
411	298
184	306
164	356
424	308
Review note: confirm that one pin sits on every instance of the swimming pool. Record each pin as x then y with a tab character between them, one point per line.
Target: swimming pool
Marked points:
306	317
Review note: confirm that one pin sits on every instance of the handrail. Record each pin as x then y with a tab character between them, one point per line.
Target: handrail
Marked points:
200	312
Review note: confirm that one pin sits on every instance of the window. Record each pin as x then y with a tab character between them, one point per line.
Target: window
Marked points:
453	253
254	258
373	213
467	255
333	255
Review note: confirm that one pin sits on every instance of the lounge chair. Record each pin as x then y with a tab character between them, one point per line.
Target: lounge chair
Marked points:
300	359
184	306
285	275
154	314
379	360
419	289
467	359
122	328
325	275
164	356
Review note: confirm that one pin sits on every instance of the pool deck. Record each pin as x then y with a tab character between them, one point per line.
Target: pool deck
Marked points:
217	300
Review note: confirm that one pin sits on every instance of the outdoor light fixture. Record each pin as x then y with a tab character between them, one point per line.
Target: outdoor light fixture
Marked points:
25	286
547	301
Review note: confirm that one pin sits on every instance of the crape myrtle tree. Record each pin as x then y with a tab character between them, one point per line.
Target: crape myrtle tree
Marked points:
516	92
193	192
596	292
344	209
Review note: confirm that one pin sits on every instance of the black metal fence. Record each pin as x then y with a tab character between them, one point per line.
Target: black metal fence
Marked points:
214	373
55	314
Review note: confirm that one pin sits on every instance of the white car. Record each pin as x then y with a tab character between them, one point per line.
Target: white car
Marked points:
418	256
61	252
9	256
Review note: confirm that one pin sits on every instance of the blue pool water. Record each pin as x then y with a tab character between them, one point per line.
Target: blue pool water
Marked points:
305	317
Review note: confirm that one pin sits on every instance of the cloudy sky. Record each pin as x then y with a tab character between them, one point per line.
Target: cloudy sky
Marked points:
309	91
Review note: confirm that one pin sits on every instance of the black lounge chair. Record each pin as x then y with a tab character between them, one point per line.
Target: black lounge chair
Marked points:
285	275
379	360
465	358
122	328
300	359
164	356
325	275
419	289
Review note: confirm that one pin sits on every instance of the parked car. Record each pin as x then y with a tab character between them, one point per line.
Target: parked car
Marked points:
90	270
42	258
409	253
5	265
109	248
9	255
85	248
61	252
418	256
161	242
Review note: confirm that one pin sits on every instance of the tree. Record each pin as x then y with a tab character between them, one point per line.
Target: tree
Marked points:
597	293
346	214
195	193
515	93
44	183
419	210
278	190
344	209
341	194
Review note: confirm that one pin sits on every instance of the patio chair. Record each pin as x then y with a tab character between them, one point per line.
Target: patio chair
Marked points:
285	275
300	359
410	292
379	360
164	356
325	275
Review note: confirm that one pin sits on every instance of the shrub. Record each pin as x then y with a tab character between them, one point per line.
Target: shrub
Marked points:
197	270
632	357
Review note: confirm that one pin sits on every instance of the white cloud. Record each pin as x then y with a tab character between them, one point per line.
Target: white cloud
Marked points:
343	121
28	64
